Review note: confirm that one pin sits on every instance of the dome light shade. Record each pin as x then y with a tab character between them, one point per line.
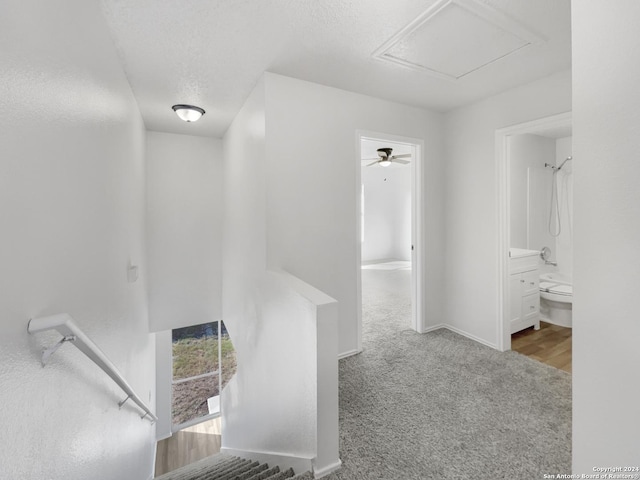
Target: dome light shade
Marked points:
188	113
384	163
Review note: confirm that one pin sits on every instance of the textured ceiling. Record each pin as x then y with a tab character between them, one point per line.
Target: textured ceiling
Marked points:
555	132
211	53
369	147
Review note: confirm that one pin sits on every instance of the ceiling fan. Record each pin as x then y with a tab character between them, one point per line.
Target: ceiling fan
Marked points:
385	158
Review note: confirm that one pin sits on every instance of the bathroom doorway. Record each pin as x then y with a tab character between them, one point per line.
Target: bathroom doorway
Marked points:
534	176
389	257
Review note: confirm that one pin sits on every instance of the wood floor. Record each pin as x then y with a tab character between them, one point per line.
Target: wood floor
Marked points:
551	345
187	446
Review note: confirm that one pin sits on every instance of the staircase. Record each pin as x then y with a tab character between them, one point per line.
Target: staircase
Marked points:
227	467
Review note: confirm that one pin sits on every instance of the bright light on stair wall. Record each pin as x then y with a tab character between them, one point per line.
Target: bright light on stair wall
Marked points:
188	113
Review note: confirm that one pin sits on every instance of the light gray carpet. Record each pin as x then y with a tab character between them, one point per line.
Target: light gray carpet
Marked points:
441	406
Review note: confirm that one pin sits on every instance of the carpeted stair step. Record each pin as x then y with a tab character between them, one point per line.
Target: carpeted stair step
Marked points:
257	469
226	467
215	464
288	473
229	471
245	469
267	474
304	476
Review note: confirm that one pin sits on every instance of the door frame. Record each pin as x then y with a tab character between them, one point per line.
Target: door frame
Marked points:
504	192
417	236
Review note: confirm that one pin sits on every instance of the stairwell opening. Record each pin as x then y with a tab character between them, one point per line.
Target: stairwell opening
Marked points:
203	362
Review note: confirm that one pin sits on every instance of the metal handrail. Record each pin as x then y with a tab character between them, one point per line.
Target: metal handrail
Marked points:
63	324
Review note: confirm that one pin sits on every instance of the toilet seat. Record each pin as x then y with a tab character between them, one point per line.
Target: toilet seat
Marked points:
557	288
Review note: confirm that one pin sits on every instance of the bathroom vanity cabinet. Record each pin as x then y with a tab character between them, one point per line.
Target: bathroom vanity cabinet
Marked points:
524	278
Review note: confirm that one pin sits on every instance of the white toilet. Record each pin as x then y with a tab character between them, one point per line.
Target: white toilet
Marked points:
556	300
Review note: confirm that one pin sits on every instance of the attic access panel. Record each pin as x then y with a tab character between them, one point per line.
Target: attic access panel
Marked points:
456	37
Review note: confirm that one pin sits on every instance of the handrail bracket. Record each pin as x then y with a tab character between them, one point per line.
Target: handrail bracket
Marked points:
147	414
120	404
47	352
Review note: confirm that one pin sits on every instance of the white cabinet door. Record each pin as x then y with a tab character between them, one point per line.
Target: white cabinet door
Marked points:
530	282
515	294
524	300
530	306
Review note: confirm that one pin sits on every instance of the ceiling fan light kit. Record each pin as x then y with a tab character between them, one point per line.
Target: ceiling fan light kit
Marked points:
385	158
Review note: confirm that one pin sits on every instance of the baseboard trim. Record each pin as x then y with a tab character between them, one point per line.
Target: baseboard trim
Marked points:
299	464
463	333
471	337
434	328
154	459
323	472
349	353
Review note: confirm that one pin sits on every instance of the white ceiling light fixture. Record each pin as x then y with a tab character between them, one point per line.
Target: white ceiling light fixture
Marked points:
188	113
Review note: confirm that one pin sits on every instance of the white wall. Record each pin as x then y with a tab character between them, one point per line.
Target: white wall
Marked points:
244	249
72	196
527	155
286	344
531	186
252	421
164	376
606	326
184	230
471	198
184	241
282	405
564	241
244	217
387	213
312	155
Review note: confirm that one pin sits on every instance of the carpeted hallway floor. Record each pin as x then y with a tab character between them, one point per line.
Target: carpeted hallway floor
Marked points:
441	406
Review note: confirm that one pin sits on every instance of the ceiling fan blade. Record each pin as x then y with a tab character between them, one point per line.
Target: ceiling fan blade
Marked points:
373	163
403	162
403	155
377	159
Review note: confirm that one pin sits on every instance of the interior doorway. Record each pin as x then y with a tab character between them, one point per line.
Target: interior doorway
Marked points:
518	232
389	232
